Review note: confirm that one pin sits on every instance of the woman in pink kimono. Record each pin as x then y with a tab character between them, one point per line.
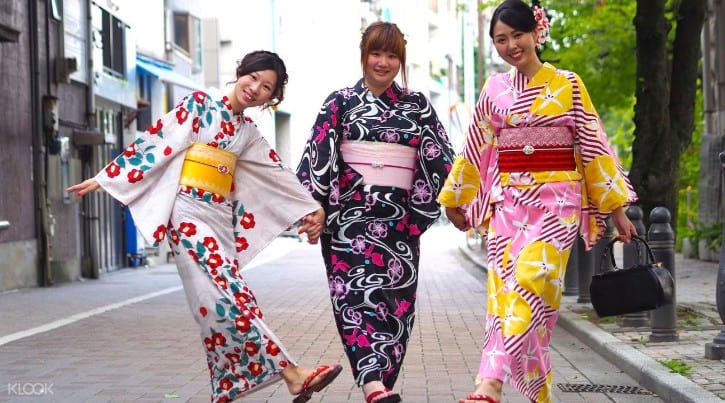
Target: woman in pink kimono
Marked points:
536	172
204	177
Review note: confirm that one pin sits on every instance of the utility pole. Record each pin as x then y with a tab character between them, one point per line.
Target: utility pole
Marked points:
710	207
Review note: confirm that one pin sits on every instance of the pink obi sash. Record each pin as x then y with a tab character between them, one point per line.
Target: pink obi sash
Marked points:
532	149
384	164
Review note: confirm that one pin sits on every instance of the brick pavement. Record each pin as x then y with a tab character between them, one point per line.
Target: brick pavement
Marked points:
112	340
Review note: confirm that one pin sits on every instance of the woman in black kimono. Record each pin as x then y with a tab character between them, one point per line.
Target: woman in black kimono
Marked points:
376	160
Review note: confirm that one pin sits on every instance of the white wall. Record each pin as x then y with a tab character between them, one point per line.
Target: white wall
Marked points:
146	18
319	42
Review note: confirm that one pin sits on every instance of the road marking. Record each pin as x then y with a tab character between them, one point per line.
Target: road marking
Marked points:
83	315
275	252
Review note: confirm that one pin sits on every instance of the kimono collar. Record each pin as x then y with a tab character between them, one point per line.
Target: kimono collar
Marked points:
390	96
544	75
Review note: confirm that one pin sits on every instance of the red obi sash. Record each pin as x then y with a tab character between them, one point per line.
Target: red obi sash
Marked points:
532	149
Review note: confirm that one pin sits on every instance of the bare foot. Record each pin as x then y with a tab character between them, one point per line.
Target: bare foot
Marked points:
296	376
375	391
490	388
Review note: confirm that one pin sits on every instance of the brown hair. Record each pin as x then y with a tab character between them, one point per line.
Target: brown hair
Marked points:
386	37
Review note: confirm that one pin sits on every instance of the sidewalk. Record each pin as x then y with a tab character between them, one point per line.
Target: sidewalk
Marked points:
629	348
129	336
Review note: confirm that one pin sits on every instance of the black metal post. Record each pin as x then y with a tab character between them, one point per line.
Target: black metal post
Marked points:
586	270
571	277
631	256
603	264
661	240
591	262
716	349
4	225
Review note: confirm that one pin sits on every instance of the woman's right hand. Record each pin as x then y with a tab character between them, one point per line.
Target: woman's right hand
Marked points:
88	185
458	217
313	224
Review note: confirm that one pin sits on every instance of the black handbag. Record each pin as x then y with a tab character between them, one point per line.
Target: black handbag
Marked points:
642	287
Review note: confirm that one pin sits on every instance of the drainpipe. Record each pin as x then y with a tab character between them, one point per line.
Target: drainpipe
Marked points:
38	156
88	266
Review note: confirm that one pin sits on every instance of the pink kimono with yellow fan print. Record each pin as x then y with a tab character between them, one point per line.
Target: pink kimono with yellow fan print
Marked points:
532	218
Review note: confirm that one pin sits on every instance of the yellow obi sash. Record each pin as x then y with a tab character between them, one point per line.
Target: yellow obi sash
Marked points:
208	168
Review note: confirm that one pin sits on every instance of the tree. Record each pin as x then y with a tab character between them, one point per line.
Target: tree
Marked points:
666	87
640	63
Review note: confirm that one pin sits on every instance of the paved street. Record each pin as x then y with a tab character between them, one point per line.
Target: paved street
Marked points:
130	337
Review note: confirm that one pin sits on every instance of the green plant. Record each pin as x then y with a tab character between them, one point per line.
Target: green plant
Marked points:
677	366
711	233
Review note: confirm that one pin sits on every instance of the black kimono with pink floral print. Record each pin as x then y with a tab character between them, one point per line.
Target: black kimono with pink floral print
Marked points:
371	242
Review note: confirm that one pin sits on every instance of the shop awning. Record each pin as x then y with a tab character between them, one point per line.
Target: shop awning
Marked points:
167	75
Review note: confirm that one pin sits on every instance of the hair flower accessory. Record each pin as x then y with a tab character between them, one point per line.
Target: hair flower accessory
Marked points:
542	25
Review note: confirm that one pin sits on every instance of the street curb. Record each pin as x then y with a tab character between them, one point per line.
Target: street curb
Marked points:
650	374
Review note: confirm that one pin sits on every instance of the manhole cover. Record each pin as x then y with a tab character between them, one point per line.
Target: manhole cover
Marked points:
591	388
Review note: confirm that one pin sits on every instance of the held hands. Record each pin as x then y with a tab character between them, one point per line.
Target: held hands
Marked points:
313	224
458	217
87	186
624	226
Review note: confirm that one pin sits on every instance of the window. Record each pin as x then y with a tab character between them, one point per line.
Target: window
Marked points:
187	36
55	10
109	39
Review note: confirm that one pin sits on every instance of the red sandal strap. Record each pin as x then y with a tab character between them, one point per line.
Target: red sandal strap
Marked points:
313	375
481	398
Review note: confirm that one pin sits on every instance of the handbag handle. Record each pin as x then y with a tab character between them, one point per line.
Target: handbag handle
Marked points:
610	249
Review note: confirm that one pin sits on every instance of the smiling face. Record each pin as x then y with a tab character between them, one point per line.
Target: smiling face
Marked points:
515	47
253	89
381	67
382	56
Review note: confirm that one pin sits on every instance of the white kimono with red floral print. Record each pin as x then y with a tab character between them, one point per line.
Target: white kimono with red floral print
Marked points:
213	237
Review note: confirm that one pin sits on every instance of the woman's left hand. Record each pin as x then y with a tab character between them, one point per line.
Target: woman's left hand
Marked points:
624	226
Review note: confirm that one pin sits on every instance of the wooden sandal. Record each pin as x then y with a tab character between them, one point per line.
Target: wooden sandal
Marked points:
330	373
388	398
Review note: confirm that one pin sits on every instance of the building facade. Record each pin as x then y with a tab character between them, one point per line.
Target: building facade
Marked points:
48	109
84	77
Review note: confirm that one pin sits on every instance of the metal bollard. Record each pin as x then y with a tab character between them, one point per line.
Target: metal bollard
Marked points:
586	270
571	277
4	225
591	262
716	349
603	264
629	259
661	239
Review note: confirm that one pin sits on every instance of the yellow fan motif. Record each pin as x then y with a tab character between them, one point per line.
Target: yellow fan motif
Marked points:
461	185
545	393
605	185
555	98
516	314
540	268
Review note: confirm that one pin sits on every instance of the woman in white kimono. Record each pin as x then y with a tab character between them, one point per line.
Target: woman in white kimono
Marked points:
205	177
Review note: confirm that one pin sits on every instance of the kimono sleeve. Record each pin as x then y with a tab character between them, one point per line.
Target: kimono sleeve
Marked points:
142	165
318	165
606	184
435	157
267	197
474	170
